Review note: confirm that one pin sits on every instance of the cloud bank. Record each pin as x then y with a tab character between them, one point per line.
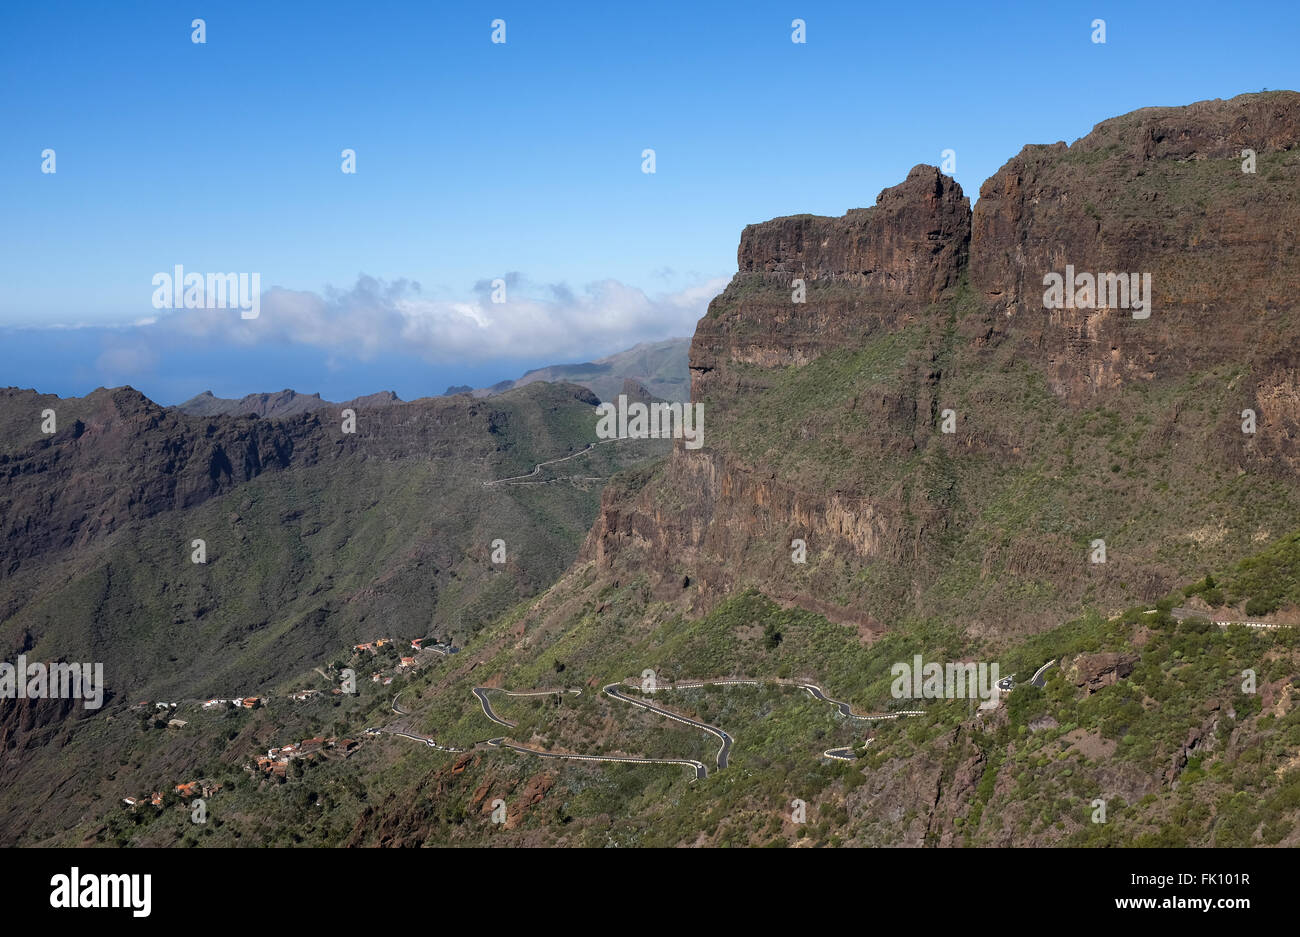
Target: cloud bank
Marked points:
375	317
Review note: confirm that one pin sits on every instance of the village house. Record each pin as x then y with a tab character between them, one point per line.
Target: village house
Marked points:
177	723
204	787
271	766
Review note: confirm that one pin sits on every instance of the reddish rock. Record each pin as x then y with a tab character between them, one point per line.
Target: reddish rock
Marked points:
1095	671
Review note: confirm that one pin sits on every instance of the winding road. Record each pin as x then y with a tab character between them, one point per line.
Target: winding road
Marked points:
1181	613
538	467
612	690
482	691
615	691
813	690
1037	679
845	753
701	771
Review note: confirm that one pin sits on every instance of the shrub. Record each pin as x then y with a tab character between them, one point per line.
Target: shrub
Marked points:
1260	606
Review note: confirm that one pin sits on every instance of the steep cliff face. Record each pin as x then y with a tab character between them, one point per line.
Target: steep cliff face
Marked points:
825	417
1159	191
863	271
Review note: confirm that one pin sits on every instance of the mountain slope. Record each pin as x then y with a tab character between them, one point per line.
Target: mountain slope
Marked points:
826	423
314	536
1069	425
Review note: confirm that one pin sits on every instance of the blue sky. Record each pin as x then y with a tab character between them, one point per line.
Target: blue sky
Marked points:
519	160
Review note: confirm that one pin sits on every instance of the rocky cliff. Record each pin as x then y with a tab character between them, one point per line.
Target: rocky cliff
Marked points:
1161	191
825	416
870	269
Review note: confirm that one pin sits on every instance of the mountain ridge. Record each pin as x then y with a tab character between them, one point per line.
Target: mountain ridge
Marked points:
830	527
939	302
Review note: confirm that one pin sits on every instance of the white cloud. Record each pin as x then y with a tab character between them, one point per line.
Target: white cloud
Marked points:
125	359
375	317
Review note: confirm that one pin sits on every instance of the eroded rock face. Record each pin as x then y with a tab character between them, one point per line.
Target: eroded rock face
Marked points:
861	271
911	243
1159	191
1276	402
665	538
1094	671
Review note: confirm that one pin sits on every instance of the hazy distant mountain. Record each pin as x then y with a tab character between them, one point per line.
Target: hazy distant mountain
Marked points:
281	404
660	367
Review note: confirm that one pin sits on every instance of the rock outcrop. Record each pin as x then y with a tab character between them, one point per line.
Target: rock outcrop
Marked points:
862	272
1160	191
1094	671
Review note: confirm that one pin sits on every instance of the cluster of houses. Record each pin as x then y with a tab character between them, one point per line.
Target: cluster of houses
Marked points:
200	788
303	695
247	702
417	644
276	760
404	663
